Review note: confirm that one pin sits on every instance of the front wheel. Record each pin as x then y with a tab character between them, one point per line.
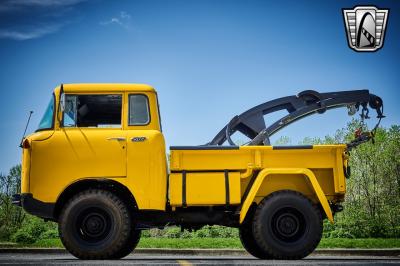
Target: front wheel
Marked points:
287	225
130	245
96	224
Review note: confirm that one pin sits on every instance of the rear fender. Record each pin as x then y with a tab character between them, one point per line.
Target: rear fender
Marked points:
276	171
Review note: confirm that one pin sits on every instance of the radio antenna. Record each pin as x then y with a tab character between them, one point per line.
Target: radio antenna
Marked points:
26	127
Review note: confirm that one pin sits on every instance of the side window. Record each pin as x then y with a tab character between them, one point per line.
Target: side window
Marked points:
138	110
101	111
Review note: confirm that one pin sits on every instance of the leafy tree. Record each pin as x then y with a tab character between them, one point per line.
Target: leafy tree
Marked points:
11	217
373	190
373	193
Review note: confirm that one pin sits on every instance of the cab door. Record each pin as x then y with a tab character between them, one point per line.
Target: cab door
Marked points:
92	128
90	143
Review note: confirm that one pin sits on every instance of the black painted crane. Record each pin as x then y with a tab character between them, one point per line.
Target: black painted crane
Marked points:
251	123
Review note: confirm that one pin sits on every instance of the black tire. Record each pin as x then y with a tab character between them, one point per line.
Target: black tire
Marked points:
130	245
287	225
249	243
95	224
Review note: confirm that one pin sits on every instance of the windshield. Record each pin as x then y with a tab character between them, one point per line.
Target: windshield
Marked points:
47	119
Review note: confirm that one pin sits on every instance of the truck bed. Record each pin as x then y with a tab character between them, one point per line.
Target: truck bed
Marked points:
219	175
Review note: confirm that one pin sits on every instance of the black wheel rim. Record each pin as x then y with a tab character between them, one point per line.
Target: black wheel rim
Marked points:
93	225
288	224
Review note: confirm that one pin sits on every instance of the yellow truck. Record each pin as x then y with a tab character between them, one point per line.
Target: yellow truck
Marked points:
97	166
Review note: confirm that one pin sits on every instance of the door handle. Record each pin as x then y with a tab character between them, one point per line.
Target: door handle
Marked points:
117	138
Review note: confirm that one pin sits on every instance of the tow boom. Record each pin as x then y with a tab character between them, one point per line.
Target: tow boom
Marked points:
251	123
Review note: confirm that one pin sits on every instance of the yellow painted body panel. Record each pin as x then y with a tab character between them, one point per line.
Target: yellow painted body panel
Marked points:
299	172
25	170
204	189
325	159
316	173
63	156
147	169
74	154
106	88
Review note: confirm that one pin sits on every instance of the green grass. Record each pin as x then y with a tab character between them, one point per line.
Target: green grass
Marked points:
152	242
359	243
7	245
48	243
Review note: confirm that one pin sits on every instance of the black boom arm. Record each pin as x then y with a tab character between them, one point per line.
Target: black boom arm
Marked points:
251	123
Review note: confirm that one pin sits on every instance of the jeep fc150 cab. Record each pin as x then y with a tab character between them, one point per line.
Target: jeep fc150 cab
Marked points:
97	166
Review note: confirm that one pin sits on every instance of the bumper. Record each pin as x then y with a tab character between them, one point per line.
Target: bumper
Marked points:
33	206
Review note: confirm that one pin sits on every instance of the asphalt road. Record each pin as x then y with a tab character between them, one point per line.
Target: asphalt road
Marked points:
154	259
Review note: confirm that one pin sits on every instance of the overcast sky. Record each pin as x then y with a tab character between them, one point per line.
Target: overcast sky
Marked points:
209	60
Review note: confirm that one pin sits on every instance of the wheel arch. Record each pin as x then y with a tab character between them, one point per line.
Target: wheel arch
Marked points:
262	177
99	183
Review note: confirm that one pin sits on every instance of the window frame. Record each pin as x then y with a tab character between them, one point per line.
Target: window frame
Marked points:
159	112
148	110
53	117
95	94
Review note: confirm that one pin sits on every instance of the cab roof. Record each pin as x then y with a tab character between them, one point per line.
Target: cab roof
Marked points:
105	87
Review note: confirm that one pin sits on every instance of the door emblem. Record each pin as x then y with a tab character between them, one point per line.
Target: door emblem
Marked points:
138	139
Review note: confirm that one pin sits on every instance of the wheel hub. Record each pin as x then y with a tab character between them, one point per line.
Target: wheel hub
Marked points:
288	224
93	224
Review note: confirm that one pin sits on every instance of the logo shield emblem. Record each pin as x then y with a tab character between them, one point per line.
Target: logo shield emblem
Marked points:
365	27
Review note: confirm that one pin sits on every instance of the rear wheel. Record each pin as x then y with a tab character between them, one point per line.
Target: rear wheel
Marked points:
249	243
287	225
96	224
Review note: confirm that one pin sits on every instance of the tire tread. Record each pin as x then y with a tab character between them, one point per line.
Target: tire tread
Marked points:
269	252
114	251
